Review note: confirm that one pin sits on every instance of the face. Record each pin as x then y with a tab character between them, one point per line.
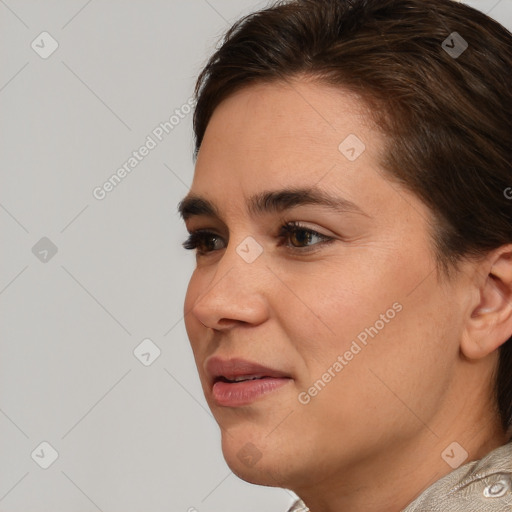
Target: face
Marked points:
312	325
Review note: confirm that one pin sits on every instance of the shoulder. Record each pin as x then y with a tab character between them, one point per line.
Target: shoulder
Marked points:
479	486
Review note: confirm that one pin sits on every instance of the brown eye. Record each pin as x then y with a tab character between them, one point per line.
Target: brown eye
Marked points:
202	241
301	236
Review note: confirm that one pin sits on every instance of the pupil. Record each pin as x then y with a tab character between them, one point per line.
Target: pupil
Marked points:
304	238
211	243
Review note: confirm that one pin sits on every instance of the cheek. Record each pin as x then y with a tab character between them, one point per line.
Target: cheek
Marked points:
395	368
388	334
337	307
421	352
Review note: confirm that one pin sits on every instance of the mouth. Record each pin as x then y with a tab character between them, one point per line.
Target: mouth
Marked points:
237	382
242	378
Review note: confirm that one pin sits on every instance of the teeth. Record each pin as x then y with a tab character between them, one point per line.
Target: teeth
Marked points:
249	377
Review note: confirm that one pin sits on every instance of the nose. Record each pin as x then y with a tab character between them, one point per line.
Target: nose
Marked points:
236	293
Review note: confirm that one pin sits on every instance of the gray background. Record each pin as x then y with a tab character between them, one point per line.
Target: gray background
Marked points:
132	434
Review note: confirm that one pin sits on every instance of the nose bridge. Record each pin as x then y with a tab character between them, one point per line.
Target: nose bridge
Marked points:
236	290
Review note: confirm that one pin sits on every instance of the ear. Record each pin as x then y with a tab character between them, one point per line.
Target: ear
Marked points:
490	324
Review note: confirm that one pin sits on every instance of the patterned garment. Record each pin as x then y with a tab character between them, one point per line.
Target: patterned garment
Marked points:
479	486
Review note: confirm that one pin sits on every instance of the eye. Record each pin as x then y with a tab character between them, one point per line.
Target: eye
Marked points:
203	241
200	239
298	234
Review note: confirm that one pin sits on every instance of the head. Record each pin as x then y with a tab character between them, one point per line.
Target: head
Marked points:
393	311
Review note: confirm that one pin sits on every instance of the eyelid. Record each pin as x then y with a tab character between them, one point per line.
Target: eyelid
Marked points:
291	227
301	225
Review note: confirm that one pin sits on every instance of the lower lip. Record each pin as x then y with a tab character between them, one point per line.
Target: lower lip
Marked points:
237	394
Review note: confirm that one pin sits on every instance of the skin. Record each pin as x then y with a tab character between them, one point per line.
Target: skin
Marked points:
373	437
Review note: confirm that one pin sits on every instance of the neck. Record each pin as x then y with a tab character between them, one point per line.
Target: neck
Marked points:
396	476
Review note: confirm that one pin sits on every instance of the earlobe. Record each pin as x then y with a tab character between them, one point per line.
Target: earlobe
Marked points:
490	322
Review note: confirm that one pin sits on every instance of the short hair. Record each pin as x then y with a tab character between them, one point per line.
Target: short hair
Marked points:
435	76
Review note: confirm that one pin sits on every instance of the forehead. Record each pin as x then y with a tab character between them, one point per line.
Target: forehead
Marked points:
271	136
296	116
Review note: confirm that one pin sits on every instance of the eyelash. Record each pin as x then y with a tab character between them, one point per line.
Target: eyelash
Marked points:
199	236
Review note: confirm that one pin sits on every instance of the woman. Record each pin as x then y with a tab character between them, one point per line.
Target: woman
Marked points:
350	313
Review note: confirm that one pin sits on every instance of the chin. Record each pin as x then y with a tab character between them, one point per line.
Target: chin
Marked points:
260	473
256	462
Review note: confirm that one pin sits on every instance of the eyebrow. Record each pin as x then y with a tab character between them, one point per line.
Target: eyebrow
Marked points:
273	201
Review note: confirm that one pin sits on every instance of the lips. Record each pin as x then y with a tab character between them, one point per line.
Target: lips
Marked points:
238	370
237	382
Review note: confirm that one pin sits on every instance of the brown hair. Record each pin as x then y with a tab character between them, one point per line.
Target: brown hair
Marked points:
445	108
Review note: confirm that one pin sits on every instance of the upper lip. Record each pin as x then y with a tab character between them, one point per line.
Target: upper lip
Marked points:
217	368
